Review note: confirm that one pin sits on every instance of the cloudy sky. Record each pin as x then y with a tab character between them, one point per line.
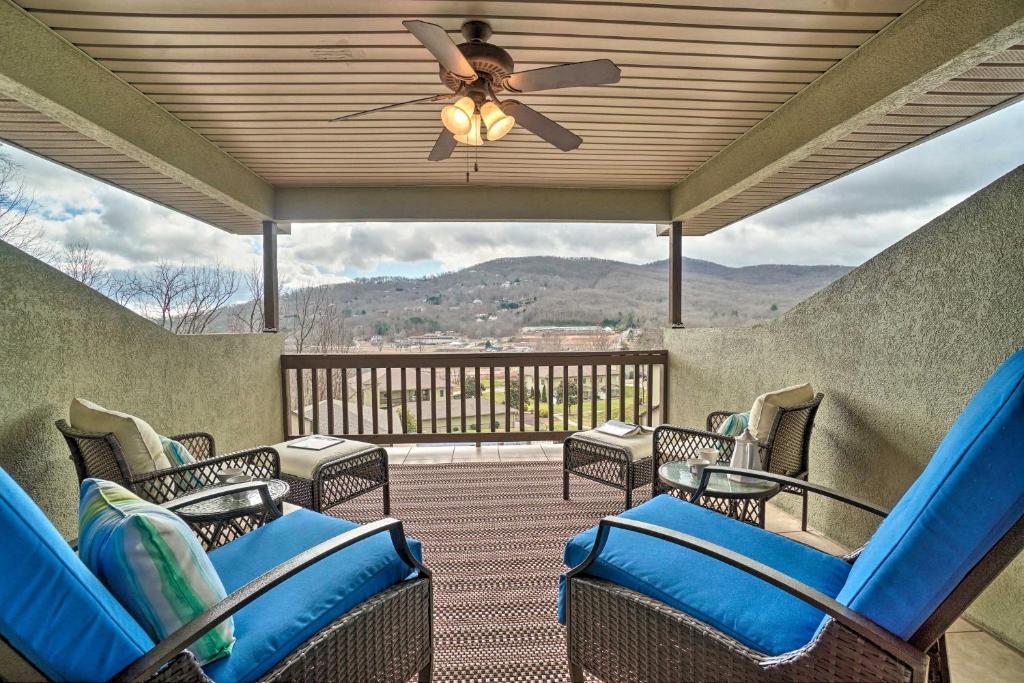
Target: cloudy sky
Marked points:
845	222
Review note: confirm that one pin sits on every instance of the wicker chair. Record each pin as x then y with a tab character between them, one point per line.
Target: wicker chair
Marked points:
880	615
386	637
99	456
785	451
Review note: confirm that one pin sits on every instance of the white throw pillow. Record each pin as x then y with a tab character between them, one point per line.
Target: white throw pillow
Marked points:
139	442
766	407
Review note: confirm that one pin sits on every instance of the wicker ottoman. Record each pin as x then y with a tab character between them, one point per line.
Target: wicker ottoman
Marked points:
320	480
624	463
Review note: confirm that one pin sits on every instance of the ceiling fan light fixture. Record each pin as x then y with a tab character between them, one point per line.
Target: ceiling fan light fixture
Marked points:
458	116
473	136
498	122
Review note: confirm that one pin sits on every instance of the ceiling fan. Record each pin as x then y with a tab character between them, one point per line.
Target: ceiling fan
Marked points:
476	71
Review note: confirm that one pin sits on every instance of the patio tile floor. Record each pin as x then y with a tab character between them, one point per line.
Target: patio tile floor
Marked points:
974	654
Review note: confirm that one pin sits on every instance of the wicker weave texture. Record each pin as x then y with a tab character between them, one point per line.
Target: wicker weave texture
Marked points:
336	482
605	464
620	635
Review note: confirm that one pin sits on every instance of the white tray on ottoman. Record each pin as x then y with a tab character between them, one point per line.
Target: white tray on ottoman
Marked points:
321	479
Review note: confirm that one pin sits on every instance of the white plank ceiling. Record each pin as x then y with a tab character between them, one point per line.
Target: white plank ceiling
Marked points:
262	78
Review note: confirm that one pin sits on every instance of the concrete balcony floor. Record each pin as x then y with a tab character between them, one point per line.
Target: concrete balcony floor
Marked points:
974	654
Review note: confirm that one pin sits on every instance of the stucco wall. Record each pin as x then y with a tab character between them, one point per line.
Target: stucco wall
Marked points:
898	346
60	339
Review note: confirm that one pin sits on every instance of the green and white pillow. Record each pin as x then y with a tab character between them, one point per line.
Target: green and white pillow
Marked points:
175	452
732	426
152	562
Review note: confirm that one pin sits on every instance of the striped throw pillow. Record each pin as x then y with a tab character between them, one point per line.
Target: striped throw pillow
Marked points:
176	453
152	562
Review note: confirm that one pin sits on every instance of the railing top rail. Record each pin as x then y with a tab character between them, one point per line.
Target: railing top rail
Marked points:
469	359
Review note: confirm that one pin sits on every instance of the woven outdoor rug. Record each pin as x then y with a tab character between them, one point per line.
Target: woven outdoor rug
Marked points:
493	534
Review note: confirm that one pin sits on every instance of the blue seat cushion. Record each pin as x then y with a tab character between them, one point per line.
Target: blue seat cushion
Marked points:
967	498
734	602
52	609
273	625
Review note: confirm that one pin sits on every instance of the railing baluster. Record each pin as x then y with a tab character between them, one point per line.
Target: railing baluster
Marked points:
622	392
286	400
636	394
419	403
551	398
448	399
359	400
476	392
579	397
593	394
344	400
433	400
565	397
536	398
390	401
315	396
508	403
405	405
462	400
522	398
650	394
330	400
607	392
302	402
373	400
491	418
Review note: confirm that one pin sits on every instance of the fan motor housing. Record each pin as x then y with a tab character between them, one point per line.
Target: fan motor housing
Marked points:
489	61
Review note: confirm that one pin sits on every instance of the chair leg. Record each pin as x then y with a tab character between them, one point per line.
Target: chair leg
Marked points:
803	512
565	483
426	674
387	499
576	673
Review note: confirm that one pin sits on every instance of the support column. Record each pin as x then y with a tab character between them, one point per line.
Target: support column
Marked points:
270	286
675	275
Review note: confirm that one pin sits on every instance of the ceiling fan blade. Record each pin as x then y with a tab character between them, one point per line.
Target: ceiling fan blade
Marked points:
596	72
542	126
444	146
432	98
436	39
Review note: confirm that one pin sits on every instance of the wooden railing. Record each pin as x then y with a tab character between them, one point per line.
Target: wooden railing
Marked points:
474	397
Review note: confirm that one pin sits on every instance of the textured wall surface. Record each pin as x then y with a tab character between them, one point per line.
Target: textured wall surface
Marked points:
898	346
60	339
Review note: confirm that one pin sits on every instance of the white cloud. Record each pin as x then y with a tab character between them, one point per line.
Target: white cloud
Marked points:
845	222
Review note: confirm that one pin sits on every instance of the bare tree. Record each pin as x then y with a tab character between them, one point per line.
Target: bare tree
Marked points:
185	299
248	317
331	332
80	261
16	207
307	309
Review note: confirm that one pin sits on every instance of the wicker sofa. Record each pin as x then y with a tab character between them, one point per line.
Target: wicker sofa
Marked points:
314	598
672	591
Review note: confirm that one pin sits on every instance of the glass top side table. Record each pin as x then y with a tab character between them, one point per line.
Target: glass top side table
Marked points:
742	500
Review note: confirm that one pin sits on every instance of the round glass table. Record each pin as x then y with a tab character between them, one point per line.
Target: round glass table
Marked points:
743	500
225	517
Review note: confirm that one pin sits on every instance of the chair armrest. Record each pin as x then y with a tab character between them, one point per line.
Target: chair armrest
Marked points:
163	485
723	414
855	622
789	482
200	444
168	648
673	443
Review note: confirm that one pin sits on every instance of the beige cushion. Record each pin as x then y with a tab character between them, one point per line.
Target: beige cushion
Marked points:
762	414
302	462
639	447
140	444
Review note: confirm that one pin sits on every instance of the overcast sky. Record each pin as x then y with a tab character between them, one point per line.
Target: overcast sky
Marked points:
845	222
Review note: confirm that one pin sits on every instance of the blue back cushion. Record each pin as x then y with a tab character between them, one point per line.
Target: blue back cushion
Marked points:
966	499
52	609
273	625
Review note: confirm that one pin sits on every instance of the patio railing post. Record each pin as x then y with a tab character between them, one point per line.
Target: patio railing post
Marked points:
675	275
270	308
